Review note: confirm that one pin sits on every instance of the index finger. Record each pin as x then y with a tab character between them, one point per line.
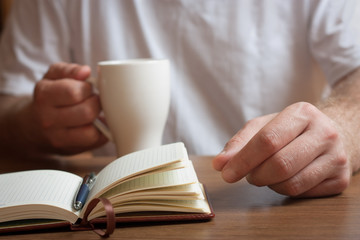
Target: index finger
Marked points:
239	140
67	70
280	131
61	93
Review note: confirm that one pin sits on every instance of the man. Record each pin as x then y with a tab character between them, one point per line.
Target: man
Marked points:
259	65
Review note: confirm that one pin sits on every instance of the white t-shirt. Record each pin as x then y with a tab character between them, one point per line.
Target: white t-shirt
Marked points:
231	60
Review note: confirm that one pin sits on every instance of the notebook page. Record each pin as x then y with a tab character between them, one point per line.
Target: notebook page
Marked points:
176	177
135	163
157	180
56	188
190	206
180	192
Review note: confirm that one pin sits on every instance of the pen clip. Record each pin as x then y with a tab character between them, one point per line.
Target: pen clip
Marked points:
84	190
91	180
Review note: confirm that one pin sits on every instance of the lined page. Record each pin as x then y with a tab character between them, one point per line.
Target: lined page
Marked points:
52	187
135	163
157	180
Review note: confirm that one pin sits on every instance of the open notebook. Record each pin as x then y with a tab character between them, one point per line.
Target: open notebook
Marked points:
156	184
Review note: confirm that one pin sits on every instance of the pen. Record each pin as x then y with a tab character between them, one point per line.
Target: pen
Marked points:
84	190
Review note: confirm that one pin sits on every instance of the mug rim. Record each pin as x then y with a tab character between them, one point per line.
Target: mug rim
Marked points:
131	61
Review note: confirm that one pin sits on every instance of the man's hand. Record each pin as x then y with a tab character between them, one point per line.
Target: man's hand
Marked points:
297	152
65	107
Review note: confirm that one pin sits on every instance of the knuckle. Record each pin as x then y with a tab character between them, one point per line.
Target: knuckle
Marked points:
39	92
58	65
233	142
88	113
78	91
306	111
283	166
330	133
72	94
338	159
342	183
306	108
342	159
344	175
270	139
55	67
293	187
90	110
73	69
91	135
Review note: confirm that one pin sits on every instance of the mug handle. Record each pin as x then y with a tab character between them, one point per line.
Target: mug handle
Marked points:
103	128
97	122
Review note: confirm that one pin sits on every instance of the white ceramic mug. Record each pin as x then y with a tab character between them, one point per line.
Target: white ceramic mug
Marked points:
135	97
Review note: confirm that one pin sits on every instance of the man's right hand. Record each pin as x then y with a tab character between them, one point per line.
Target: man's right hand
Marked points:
65	107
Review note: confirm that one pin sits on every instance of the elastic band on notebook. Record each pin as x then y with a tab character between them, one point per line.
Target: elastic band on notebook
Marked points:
110	217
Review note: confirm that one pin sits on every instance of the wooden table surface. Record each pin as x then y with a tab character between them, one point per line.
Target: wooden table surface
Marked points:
242	211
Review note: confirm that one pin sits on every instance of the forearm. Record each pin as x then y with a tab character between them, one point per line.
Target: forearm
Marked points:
19	134
343	106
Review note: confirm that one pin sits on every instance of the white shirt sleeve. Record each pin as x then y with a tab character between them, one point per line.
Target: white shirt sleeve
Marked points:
335	37
36	35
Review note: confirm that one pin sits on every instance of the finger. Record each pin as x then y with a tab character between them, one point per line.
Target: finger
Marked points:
239	140
61	93
65	70
234	145
289	160
328	187
79	114
83	137
279	132
326	175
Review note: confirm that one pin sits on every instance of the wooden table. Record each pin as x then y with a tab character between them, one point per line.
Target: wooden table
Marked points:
242	211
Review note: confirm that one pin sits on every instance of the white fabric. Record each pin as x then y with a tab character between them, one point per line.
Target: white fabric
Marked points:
231	60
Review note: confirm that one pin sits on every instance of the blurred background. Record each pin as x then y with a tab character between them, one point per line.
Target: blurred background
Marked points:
4	10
